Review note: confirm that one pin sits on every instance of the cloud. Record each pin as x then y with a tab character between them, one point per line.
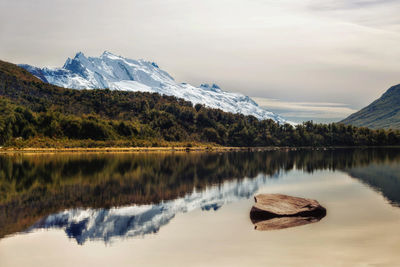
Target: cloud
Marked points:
303	111
344	51
371	13
349	4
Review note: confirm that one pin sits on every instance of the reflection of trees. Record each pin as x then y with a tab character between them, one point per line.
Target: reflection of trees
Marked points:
37	185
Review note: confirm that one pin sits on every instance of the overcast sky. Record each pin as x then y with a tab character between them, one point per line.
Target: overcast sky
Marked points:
326	58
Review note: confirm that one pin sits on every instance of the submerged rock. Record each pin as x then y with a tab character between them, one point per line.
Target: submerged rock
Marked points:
283	222
276	211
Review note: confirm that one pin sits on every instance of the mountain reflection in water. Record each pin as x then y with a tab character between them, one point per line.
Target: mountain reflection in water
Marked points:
102	196
137	220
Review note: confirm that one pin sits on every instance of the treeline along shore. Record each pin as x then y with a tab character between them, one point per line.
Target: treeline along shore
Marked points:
37	114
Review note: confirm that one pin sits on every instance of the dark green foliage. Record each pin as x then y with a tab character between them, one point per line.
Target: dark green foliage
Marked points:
31	109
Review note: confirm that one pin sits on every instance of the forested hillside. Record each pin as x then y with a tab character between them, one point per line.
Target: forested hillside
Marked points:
382	113
34	113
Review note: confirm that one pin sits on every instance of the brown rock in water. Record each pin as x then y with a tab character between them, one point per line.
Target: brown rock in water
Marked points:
276	211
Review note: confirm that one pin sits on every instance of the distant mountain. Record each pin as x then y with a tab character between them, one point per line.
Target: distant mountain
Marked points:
119	73
32	111
382	113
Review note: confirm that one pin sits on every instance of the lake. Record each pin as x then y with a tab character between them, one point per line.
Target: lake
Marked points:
192	209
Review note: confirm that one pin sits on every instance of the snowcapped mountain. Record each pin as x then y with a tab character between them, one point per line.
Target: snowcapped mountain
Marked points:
119	73
139	220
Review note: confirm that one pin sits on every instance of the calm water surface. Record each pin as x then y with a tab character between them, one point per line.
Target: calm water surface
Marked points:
192	209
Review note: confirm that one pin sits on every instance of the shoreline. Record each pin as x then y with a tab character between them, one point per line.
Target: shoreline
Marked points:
134	149
8	150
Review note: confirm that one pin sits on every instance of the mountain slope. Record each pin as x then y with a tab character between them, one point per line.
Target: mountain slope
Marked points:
382	113
30	108
36	114
119	73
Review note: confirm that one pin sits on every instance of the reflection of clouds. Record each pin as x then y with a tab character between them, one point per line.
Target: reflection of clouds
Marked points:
310	110
138	220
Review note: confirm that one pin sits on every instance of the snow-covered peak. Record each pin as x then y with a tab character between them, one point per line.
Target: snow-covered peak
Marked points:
107	53
80	55
119	73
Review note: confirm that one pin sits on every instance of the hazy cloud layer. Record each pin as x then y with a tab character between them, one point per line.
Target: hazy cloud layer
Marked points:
344	51
349	4
305	111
